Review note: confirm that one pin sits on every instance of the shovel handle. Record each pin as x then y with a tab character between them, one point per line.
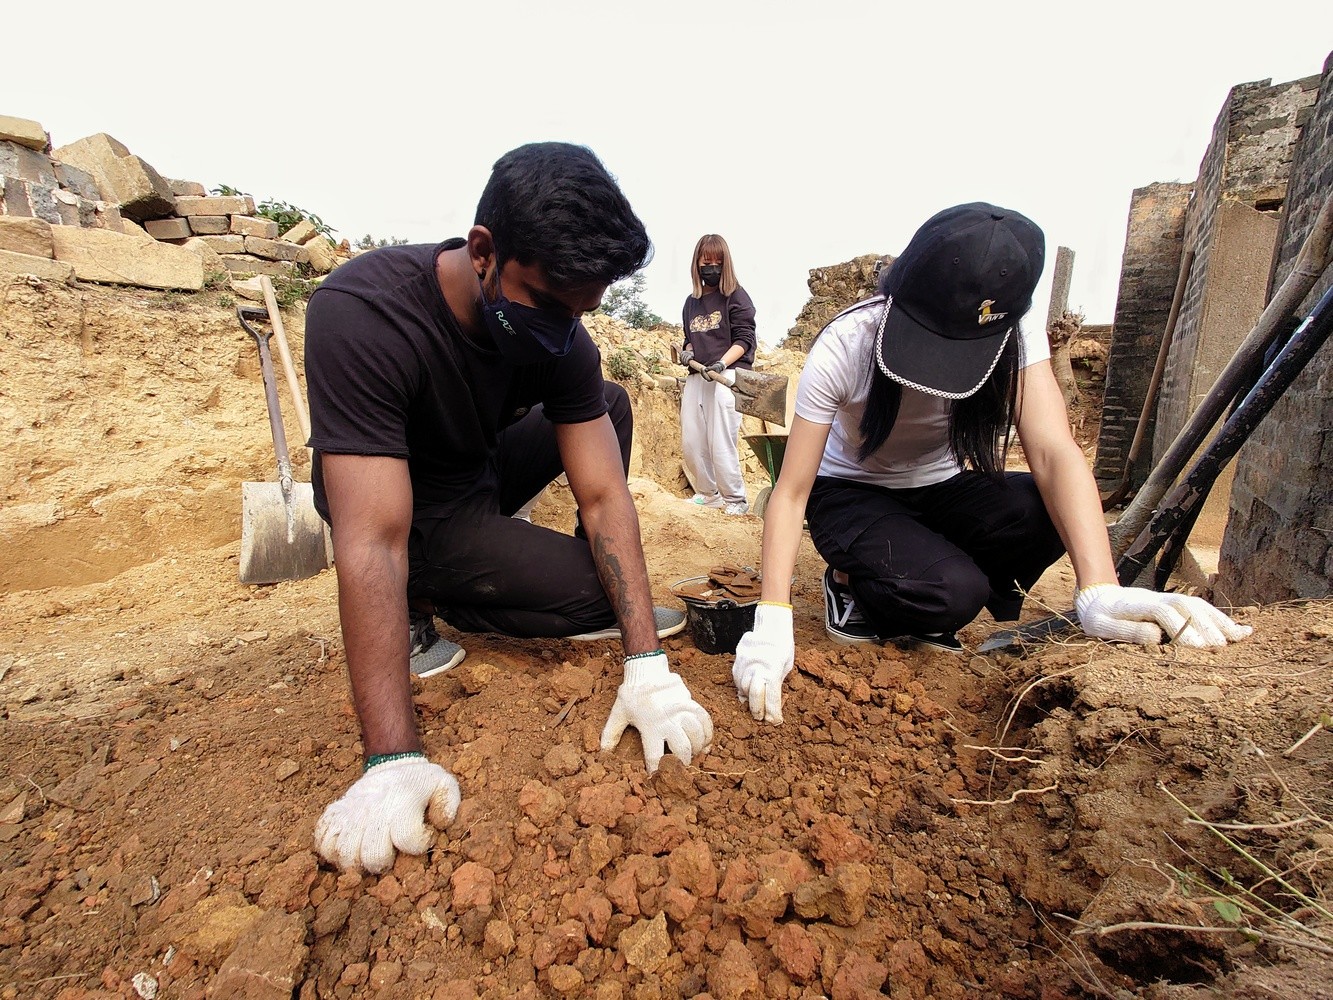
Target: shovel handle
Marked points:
705	371
246	313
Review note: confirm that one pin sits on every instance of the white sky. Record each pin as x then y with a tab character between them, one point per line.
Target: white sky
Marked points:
806	134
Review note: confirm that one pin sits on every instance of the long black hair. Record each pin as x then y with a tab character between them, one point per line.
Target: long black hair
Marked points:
977	424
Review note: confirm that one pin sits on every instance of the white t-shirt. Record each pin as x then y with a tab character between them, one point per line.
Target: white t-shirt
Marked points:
833	389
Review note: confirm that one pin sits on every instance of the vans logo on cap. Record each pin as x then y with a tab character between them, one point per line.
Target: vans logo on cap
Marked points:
984	315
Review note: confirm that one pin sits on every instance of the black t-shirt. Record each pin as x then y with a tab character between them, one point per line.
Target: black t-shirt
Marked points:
390	372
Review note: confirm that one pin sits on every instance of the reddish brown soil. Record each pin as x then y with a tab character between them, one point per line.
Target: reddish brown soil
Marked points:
921	826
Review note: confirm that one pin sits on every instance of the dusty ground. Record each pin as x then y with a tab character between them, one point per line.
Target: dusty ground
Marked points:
921	826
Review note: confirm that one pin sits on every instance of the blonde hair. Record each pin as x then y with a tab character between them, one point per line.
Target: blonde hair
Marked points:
713	243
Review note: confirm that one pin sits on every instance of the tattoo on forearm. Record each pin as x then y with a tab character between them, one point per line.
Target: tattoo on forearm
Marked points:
611	573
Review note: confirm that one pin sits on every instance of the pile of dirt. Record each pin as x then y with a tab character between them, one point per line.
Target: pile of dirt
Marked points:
922	825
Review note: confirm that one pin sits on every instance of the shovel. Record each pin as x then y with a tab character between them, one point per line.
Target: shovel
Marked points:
282	536
759	395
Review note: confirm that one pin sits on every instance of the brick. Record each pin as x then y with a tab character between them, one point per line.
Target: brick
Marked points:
168	229
210	225
225	244
276	250
41	267
139	190
26	236
187	188
216	205
243	264
25	132
247	225
303	232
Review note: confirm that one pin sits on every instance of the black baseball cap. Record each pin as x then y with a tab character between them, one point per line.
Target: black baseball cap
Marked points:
955	295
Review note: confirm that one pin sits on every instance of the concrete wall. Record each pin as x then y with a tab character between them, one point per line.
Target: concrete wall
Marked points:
1279	538
1154	240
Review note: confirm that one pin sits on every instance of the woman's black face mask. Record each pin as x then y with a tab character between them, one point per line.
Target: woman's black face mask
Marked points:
526	335
710	274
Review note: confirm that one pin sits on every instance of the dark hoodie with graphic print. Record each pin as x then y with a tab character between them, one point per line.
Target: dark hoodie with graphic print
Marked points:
713	322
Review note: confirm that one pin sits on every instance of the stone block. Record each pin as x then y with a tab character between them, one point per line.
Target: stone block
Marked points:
248	225
79	181
42	267
33	167
140	191
14	197
191	189
248	288
25	132
225	244
303	232
115	258
217	205
276	250
26	236
67	207
212	260
321	255
210	225
244	264
42	198
107	216
130	228
168	229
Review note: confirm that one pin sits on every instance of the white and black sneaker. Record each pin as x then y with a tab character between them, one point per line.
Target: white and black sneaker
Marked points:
945	642
669	621
428	653
843	620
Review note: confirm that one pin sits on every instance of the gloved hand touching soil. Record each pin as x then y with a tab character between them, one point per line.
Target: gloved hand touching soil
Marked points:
386	810
1135	614
764	658
657	703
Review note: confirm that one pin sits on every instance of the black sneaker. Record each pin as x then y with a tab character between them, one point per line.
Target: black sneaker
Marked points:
843	620
428	653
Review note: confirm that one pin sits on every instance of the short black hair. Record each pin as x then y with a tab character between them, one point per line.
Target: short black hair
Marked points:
555	205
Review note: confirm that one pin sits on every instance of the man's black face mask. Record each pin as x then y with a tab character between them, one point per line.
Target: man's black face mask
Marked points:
526	335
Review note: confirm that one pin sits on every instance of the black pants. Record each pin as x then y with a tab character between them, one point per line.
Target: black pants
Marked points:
486	572
929	558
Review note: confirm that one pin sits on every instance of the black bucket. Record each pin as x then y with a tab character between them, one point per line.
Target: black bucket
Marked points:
717	626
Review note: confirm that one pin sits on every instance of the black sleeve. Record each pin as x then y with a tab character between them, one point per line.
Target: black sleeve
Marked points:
360	376
740	315
575	391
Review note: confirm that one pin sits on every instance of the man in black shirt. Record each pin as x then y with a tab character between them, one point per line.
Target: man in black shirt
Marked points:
448	385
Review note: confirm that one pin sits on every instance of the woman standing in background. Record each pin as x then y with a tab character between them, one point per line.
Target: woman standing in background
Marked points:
718	320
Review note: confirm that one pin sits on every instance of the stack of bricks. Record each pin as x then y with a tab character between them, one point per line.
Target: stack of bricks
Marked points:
93	211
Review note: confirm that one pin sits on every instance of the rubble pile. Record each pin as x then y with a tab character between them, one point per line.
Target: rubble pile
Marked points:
93	211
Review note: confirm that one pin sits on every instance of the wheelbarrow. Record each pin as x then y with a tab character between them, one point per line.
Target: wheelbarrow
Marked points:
769	449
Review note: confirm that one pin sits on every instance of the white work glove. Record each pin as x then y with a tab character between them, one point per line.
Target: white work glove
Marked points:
657	703
1135	614
384	810
764	658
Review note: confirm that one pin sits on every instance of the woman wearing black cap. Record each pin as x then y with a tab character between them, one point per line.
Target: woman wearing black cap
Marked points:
896	459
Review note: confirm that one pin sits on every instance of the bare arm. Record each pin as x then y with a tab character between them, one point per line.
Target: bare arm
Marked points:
785	513
1063	477
370	503
591	456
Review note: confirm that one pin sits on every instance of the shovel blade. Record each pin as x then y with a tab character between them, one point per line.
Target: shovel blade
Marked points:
275	547
762	395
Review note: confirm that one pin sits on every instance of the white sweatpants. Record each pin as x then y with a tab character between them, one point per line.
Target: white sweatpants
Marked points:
709	425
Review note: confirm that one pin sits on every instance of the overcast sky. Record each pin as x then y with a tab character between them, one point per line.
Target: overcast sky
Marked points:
806	134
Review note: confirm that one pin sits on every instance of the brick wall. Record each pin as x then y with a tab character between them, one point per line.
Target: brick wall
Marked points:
1153	245
1248	162
1278	538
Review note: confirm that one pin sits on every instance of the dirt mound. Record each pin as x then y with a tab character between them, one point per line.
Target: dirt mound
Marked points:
921	826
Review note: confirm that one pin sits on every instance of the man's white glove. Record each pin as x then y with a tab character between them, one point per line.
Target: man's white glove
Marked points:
764	658
384	810
1135	614
657	703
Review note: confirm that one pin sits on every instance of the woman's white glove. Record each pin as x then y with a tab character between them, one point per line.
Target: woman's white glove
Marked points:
764	658
1135	614
657	703
384	810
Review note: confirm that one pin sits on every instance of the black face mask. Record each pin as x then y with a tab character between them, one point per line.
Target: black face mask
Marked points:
710	274
526	335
